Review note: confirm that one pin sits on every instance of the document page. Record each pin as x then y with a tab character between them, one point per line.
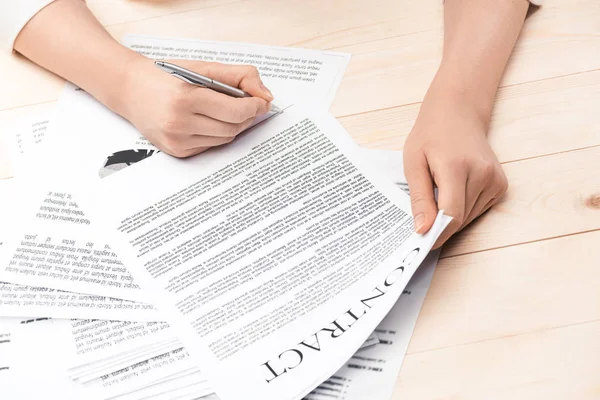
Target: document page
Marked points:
372	373
25	134
31	301
292	74
5	347
40	356
275	257
79	262
56	250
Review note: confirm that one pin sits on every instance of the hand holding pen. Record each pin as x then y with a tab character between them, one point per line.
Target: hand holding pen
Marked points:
181	117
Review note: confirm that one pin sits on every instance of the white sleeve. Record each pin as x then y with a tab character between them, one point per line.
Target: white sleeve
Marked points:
13	17
536	2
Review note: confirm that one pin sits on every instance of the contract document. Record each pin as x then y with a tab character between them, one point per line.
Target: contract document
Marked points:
274	257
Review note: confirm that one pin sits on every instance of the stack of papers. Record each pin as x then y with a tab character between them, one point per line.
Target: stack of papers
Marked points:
275	263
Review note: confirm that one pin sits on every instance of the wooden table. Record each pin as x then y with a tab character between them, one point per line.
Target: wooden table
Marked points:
514	308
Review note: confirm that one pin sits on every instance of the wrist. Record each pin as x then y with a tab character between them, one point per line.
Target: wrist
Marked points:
465	90
116	93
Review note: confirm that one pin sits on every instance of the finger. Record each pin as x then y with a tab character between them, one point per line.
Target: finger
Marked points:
191	152
203	132
485	199
422	197
495	188
200	125
191	145
225	108
478	191
476	185
246	77
219	133
452	197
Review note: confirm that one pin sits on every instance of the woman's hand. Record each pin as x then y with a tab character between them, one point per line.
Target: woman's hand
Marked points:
182	119
447	147
178	118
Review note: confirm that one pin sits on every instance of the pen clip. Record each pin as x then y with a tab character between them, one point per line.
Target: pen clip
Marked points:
185	79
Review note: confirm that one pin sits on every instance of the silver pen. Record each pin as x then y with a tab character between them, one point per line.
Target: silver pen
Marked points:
196	79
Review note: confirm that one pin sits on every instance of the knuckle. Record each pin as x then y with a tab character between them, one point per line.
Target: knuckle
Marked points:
251	70
458	220
238	114
170	125
458	217
179	99
230	130
487	169
502	184
458	163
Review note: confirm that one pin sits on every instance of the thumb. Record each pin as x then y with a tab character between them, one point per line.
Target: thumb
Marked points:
422	199
245	77
253	85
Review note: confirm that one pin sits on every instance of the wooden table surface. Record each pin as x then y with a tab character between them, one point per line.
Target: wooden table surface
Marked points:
514	307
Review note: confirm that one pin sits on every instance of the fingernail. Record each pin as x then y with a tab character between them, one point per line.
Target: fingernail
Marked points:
269	94
419	222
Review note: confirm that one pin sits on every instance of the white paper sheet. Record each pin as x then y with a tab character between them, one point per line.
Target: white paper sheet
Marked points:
372	373
293	75
257	359
79	262
30	301
38	369
6	329
93	340
23	136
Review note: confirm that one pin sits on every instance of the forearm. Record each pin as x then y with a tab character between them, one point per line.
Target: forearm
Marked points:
479	36
66	39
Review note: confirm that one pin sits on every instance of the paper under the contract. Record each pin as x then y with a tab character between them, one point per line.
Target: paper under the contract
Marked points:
293	75
275	257
32	301
33	361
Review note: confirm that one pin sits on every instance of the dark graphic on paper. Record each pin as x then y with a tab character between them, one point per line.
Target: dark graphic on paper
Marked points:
122	159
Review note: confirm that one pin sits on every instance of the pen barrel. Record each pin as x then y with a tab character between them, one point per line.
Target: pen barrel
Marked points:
228	90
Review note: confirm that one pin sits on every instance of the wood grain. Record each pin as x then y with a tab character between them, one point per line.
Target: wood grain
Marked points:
547	197
554	364
542	117
511	291
112	12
